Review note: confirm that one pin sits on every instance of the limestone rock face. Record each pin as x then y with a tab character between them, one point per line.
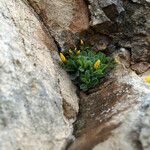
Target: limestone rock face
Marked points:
115	115
145	130
114	22
136	28
104	10
38	102
62	18
32	86
125	24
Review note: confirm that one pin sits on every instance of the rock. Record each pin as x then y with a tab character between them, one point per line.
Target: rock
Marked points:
122	56
125	22
147	73
33	87
70	100
145	130
62	18
112	115
136	30
140	67
97	14
140	49
104	11
136	1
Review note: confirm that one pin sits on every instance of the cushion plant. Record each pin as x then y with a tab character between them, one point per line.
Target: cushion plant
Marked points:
85	66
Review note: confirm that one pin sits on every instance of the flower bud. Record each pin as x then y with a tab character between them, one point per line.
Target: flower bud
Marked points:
97	64
147	79
81	42
63	58
78	52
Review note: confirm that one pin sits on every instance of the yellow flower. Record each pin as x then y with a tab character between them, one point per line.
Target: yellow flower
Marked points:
78	52
81	42
63	58
117	60
70	51
147	79
97	64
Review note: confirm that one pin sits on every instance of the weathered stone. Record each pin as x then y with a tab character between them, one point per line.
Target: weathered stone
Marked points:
104	10
140	67
118	3
70	100
136	30
136	1
145	131
31	96
38	101
111	115
126	22
123	57
97	14
62	16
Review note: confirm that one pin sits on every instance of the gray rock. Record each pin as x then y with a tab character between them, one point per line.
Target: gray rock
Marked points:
62	18
140	67
98	11
115	115
38	102
126	22
145	131
31	96
135	24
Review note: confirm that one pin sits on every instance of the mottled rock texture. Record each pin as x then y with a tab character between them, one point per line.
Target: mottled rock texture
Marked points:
33	88
126	23
116	23
145	130
38	102
63	18
136	30
115	115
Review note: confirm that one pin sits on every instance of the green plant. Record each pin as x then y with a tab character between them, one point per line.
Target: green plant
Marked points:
85	66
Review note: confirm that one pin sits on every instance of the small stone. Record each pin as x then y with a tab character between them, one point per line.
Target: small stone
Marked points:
140	67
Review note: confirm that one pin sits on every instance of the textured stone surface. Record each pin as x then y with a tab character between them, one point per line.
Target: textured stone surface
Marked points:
140	67
112	116
99	12
32	89
126	23
38	102
145	130
135	22
62	18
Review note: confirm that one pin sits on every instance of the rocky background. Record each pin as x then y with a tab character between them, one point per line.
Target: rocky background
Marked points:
39	103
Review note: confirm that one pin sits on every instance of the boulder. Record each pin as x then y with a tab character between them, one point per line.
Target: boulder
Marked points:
135	30
115	115
62	18
117	23
104	10
38	102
